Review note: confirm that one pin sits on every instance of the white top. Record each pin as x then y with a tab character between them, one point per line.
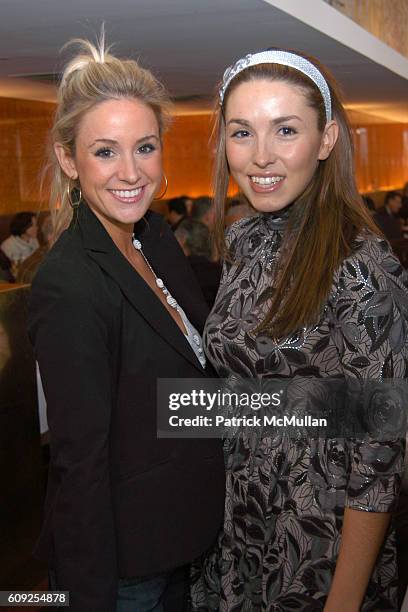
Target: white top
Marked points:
17	249
193	337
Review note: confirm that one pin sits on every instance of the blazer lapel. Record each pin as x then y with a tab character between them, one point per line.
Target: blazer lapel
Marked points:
102	249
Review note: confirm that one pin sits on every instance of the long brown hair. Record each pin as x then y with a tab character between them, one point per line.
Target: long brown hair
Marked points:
324	220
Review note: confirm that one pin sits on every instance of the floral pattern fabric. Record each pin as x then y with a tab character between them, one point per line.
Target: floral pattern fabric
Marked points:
285	497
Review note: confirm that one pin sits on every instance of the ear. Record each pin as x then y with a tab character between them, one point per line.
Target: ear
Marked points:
329	139
66	161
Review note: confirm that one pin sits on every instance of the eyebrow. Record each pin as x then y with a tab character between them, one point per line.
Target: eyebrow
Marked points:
113	142
282	119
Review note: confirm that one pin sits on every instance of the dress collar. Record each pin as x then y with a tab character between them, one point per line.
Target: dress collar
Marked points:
276	222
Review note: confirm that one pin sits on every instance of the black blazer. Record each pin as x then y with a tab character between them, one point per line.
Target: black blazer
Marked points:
120	502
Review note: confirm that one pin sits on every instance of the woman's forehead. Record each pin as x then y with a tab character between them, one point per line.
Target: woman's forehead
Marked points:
267	96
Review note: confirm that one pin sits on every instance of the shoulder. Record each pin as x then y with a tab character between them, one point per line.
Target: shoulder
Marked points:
372	263
370	299
67	272
8	245
63	259
7	241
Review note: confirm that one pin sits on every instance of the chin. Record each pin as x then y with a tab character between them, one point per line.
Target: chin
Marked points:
269	207
133	216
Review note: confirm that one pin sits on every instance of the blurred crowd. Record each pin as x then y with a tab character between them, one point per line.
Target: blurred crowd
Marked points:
192	221
392	219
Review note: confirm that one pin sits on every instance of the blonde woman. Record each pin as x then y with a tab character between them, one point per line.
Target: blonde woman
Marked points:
115	307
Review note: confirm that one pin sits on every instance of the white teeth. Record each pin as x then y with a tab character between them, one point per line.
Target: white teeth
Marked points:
266	180
125	193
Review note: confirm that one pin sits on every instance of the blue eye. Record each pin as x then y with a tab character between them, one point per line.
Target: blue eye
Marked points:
287	131
240	134
104	152
147	148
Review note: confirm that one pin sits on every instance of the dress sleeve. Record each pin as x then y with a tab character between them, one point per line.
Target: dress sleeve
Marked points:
370	321
69	325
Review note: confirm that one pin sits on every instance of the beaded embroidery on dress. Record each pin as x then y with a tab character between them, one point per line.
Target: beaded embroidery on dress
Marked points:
285	501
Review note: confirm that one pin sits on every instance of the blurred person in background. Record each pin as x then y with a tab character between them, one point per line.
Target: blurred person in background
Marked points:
177	211
387	217
237	208
195	239
28	268
404	209
203	211
189	204
22	241
369	203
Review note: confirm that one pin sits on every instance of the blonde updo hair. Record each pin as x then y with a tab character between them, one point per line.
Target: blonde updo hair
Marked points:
91	77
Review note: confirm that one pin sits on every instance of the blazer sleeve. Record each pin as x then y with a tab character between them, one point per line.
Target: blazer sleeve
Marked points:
69	324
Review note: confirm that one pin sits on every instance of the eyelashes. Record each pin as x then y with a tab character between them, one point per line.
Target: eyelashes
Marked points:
240	134
104	152
107	152
287	131
147	148
284	130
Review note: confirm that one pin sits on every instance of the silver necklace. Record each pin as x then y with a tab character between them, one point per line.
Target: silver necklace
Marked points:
192	335
169	298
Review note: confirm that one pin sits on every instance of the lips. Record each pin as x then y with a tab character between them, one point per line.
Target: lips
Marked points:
126	193
265	183
266	180
128	196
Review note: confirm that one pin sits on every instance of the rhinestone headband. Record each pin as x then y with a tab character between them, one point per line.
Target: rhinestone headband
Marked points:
285	58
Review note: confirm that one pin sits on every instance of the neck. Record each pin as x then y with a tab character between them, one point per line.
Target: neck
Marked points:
121	233
123	239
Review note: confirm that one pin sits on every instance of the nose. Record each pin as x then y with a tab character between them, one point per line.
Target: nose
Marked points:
128	170
265	152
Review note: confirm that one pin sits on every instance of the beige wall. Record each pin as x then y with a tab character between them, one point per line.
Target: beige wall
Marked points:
23	134
386	19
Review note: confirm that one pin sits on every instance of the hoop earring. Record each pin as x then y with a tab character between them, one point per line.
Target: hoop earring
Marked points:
165	189
78	193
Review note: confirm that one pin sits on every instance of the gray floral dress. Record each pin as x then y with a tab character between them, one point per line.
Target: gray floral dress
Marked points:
285	500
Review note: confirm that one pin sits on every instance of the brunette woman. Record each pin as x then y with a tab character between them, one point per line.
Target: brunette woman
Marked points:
309	287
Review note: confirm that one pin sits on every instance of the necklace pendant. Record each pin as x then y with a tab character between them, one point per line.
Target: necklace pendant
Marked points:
171	301
159	282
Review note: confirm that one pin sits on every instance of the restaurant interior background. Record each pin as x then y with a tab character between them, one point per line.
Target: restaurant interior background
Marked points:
187	44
